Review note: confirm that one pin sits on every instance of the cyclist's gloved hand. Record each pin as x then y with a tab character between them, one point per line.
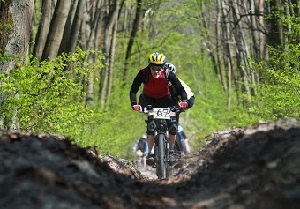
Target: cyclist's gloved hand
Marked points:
137	107
183	104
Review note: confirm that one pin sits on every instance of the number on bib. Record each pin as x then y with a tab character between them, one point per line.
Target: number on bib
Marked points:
161	113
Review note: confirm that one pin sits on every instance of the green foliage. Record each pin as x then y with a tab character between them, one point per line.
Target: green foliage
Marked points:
278	92
48	95
49	98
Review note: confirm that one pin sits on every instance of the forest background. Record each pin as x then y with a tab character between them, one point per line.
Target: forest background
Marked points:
66	66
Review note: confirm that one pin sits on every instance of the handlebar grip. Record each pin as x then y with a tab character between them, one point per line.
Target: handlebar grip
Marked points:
149	107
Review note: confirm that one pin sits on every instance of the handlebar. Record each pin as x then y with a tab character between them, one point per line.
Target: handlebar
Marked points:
175	109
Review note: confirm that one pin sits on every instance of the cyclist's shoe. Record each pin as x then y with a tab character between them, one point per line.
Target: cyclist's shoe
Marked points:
172	160
150	160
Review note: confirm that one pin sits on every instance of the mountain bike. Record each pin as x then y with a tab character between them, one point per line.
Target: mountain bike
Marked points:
161	139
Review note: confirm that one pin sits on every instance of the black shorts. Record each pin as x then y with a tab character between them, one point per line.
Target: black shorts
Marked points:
163	102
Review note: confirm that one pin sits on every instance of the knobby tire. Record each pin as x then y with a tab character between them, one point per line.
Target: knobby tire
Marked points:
162	162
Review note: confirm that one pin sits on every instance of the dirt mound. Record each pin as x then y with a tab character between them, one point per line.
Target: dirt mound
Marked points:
257	167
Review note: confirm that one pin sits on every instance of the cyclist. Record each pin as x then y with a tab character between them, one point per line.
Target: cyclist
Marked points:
156	92
140	148
174	93
181	137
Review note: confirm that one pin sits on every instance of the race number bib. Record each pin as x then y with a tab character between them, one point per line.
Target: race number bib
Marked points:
161	113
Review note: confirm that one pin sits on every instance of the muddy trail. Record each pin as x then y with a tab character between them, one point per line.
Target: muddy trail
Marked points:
255	167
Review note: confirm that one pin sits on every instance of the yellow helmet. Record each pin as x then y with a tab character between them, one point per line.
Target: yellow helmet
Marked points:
157	59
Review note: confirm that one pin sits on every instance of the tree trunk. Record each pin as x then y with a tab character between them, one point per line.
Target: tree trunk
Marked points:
108	45
16	17
261	37
90	39
76	25
68	36
57	29
219	69
112	56
227	41
275	35
43	29
242	51
134	30
91	34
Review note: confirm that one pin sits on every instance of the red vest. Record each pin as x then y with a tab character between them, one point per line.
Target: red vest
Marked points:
156	88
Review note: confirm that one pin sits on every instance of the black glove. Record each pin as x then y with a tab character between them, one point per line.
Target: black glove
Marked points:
133	103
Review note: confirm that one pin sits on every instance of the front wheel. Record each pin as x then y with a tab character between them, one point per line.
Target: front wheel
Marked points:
162	165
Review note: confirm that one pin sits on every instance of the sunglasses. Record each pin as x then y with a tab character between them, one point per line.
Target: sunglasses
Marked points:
156	68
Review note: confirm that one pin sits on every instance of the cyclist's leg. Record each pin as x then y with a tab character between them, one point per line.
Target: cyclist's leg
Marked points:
138	161
144	101
150	131
144	161
172	124
180	146
187	146
177	118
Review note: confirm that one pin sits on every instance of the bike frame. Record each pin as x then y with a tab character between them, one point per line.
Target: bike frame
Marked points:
161	146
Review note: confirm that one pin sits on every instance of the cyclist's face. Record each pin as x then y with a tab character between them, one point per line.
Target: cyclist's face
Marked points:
155	71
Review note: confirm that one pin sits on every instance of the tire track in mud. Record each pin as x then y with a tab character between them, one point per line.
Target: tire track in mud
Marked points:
254	167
